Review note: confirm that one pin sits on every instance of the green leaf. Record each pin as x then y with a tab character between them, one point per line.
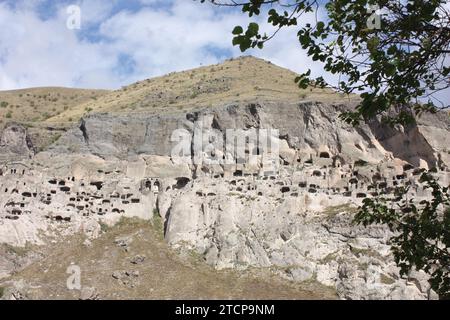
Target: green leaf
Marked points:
253	29
392	50
320	26
372	44
238	30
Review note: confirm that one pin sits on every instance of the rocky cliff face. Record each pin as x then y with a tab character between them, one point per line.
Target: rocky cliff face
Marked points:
295	221
306	127
15	144
225	204
294	240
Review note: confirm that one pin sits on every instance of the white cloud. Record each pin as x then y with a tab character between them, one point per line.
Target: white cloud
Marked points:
45	53
95	11
162	41
37	52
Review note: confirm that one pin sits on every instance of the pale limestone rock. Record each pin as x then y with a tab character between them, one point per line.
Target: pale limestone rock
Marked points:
88	293
15	144
233	215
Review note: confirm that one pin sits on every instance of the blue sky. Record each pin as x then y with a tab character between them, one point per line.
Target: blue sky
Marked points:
121	42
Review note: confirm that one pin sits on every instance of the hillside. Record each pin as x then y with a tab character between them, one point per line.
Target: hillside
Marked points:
278	203
32	107
49	112
39	104
155	271
235	80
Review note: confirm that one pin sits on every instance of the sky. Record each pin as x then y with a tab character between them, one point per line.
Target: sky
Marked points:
120	42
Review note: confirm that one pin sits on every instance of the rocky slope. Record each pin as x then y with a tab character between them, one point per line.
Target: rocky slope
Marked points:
294	220
32	107
304	126
233	81
131	261
35	105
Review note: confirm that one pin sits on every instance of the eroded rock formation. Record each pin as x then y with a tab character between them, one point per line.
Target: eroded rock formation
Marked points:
296	220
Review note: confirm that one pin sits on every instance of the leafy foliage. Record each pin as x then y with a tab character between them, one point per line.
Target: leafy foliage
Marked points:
422	231
393	60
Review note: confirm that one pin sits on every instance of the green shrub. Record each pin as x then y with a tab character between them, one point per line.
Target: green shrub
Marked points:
55	138
158	225
194	95
104	227
360	163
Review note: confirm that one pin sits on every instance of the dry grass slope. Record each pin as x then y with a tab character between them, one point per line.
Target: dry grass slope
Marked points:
32	107
36	105
48	112
235	80
164	274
